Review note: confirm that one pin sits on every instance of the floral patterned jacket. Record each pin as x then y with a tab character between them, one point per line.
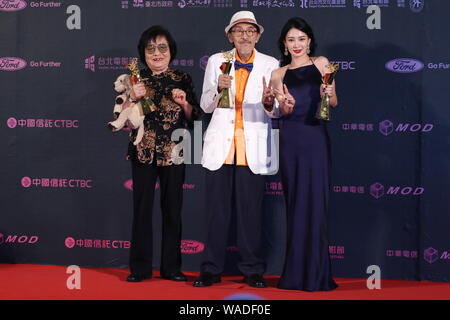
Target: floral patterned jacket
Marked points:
156	144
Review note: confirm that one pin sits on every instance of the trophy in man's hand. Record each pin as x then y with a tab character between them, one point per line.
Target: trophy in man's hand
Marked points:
323	112
147	104
226	100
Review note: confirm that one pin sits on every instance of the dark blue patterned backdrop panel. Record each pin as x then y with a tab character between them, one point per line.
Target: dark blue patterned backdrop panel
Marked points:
66	185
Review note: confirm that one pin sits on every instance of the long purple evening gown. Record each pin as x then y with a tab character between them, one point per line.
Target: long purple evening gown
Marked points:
305	166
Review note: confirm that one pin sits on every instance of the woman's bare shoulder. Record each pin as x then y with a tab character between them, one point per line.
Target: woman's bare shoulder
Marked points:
279	73
320	61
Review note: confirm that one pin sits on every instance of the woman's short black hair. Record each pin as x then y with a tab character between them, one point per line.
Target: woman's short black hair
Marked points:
151	34
302	25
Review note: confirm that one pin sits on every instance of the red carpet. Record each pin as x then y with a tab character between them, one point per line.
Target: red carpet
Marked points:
37	282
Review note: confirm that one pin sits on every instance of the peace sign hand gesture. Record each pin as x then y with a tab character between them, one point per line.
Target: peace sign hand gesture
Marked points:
286	100
268	96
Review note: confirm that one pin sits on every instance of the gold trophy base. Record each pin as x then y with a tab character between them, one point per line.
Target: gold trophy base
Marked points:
147	106
323	112
225	99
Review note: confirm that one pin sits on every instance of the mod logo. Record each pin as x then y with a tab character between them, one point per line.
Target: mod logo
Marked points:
377	190
430	255
386	127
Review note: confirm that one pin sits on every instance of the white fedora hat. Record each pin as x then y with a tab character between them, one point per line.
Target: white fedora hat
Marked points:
243	17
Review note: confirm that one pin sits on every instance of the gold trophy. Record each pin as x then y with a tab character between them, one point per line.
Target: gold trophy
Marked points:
323	112
147	104
226	100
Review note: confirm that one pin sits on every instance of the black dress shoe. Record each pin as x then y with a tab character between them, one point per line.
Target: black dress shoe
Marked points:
176	276
137	277
206	279
255	280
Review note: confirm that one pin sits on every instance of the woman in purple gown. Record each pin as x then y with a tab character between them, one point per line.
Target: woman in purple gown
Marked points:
304	157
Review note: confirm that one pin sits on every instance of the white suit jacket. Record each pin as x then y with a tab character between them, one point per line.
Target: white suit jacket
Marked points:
261	142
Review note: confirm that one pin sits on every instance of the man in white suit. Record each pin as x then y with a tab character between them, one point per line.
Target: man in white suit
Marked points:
238	151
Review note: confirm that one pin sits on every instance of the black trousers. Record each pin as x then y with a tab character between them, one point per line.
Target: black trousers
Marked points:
171	179
234	188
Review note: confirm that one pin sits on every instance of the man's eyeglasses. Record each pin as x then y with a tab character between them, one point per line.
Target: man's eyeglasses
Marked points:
151	49
240	32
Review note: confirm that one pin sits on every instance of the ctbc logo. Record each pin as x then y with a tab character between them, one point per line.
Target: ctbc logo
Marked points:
404	65
12	5
12	63
345	65
386	127
191	246
26	182
41	123
377	190
70	242
96	243
56	183
11	123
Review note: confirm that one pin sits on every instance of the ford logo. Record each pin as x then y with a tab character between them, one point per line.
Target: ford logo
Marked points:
191	246
12	64
12	5
404	65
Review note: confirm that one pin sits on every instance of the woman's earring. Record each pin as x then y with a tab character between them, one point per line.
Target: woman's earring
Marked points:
308	51
286	51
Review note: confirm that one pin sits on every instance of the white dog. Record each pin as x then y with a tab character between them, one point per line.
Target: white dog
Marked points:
126	112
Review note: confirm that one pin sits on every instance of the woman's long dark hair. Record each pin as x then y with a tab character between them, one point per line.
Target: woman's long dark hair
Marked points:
302	25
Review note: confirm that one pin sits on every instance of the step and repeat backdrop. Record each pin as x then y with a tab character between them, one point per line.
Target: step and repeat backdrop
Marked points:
66	184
